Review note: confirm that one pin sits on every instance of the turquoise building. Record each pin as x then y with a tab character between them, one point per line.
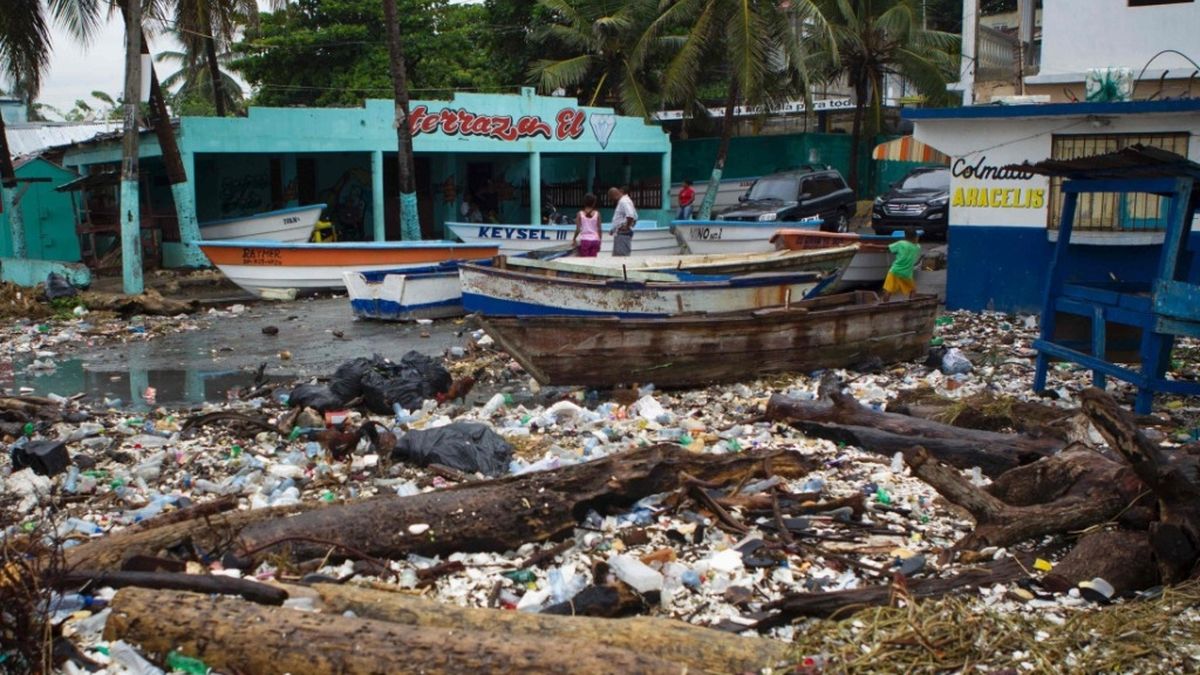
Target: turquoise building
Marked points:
47	215
508	153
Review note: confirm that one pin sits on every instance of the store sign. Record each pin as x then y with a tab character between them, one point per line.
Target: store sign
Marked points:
989	194
789	108
567	124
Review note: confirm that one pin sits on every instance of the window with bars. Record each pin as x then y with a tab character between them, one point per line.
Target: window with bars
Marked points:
1112	211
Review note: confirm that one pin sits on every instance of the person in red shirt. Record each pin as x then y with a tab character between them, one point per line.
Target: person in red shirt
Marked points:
687	197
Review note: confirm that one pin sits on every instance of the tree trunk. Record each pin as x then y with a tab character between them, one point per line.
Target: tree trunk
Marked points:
860	93
410	225
1101	491
501	514
8	196
214	67
493	515
841	418
833	603
1171	477
696	647
131	221
714	181
232	635
1120	557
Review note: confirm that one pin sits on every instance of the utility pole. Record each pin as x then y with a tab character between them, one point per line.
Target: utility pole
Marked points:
131	221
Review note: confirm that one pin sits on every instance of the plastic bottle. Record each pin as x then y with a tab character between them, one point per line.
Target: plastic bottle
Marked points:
493	404
71	525
124	653
65	604
71	482
898	462
187	664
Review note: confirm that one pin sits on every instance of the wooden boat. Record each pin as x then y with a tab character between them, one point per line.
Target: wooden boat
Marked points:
505	289
732	236
405	295
269	267
648	237
828	332
868	267
286	225
822	260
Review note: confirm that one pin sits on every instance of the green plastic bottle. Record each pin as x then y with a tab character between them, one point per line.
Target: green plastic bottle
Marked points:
187	664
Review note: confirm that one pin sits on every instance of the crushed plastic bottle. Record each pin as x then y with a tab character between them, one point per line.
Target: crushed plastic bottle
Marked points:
637	574
124	653
493	405
179	663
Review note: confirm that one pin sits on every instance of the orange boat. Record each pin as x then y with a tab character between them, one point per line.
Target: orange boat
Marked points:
868	267
268	267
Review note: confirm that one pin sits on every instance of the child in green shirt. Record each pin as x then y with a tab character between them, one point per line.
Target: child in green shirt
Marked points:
900	276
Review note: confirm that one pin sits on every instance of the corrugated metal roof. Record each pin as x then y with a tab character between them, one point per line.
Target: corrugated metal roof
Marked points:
36	137
1136	161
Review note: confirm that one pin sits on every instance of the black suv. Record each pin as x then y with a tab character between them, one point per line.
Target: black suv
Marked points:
797	194
920	200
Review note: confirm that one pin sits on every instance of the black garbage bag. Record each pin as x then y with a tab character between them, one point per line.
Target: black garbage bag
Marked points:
466	446
346	383
57	286
316	396
47	458
410	382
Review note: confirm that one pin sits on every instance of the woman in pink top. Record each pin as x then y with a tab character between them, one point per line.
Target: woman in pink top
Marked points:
587	228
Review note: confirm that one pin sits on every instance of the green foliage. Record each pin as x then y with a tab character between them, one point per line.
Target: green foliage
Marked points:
334	52
509	39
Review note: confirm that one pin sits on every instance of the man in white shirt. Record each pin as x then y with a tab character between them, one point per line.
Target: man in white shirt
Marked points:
624	217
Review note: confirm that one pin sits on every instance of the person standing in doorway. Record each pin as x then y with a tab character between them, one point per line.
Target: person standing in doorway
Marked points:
687	197
624	218
587	228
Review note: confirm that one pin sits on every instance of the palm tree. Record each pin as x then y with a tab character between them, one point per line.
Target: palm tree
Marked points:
874	39
410	226
24	55
753	44
209	27
607	42
193	81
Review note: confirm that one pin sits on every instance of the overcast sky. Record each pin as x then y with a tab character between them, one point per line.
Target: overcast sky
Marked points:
76	70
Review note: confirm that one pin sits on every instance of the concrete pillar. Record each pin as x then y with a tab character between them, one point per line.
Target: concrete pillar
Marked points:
535	188
184	195
378	221
970	22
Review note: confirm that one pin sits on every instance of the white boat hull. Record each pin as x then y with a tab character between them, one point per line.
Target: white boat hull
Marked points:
648	238
717	236
405	297
502	292
285	225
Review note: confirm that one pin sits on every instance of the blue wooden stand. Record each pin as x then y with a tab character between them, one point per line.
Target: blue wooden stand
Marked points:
1167	307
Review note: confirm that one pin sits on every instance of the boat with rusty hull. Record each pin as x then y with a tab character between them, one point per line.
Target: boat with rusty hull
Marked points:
827	332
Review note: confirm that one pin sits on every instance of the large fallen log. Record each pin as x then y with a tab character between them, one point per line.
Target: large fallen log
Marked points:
676	641
1171	477
839	417
232	635
1100	491
494	515
828	604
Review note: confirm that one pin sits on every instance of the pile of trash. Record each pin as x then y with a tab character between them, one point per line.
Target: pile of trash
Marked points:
727	555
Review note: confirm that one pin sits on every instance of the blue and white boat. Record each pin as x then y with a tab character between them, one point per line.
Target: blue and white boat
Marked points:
504	290
648	237
292	225
430	292
734	236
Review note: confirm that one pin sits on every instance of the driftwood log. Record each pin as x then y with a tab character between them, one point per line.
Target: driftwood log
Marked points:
1173	478
837	416
494	515
696	647
198	583
232	635
1100	490
831	604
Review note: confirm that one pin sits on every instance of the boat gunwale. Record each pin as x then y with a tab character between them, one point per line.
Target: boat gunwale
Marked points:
254	216
719	282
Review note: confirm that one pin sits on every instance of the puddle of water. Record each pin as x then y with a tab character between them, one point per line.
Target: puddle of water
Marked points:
178	387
